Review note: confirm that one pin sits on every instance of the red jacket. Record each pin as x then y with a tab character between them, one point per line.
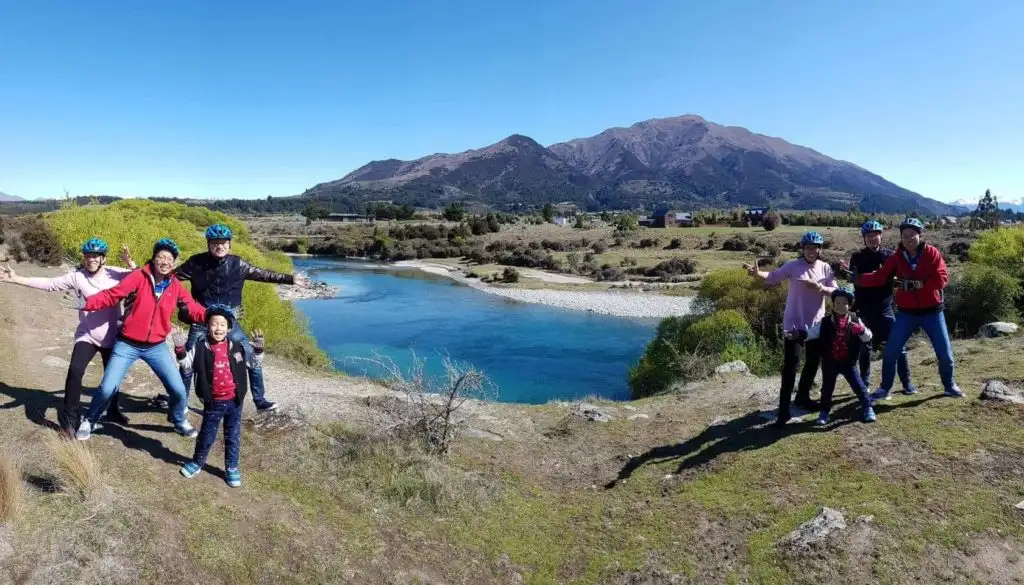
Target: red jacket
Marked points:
931	273
149	319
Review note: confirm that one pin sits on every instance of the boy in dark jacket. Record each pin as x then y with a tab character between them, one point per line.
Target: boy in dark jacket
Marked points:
841	335
221	378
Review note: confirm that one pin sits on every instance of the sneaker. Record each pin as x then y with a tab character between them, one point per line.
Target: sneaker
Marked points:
267	406
160	401
910	391
822	419
233	478
881	394
955	392
190	469
84	430
117	417
869	415
186	430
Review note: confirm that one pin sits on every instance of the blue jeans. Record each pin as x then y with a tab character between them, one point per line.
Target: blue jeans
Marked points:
160	361
934	325
197	333
213	414
881	323
830	372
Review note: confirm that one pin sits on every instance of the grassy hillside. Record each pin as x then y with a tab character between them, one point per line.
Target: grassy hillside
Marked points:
140	223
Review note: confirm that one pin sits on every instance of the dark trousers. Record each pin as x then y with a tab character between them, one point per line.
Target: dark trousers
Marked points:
830	372
213	414
880	323
81	355
792	352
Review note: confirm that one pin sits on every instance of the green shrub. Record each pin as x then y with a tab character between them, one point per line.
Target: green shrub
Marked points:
30	238
689	348
736	290
980	294
1002	248
139	223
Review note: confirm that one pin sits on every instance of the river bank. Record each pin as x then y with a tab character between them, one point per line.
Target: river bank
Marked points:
619	303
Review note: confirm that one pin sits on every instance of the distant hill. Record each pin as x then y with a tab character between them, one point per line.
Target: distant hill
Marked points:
684	161
9	198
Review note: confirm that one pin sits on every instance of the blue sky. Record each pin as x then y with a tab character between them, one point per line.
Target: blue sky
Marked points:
249	99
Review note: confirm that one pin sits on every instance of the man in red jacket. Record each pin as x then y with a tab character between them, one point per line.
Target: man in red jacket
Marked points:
920	279
144	332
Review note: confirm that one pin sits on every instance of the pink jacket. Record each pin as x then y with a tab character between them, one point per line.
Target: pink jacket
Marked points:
97	327
805	307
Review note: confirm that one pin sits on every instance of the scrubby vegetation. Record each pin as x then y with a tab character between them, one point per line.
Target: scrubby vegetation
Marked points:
139	223
30	238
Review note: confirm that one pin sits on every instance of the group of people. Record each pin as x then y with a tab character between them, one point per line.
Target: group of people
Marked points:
216	352
862	318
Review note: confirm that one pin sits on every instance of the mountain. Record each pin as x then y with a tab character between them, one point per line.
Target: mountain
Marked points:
4	197
685	161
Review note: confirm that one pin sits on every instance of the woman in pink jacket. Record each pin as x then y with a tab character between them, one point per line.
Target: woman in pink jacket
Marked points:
96	330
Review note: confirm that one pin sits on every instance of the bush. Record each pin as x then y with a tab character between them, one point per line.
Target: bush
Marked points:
648	243
736	290
675	244
960	250
674	267
770	221
599	247
139	223
510	275
980	294
31	238
735	244
688	348
609	273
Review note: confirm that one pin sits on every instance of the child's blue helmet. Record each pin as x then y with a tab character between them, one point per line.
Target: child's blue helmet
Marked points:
222	310
166	244
871	227
844	291
94	246
812	239
912	222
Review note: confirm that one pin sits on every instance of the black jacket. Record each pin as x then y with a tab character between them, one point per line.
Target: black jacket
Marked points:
826	332
871	300
199	360
220	280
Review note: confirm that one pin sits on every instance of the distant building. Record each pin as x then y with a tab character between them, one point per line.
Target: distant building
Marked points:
644	221
666	218
349	218
561	220
754	215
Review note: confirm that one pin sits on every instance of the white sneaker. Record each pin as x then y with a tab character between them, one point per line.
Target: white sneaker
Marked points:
186	430
84	430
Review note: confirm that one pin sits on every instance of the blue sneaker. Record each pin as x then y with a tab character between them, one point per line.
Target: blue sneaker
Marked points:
234	478
869	415
955	392
881	394
190	469
822	419
910	390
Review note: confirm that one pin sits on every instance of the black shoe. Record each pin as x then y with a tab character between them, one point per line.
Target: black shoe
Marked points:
267	406
160	401
808	405
116	417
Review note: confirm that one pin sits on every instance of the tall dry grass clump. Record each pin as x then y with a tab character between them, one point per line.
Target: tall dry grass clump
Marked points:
10	488
77	470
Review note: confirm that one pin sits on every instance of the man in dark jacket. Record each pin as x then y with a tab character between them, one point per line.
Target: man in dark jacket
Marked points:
874	303
217	278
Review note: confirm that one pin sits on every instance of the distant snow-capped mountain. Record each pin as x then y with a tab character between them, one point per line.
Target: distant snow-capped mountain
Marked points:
972	204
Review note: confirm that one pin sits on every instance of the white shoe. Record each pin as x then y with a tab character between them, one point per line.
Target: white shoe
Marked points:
185	429
84	430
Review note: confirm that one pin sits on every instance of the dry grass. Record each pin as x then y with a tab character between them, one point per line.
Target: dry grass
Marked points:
77	469
10	488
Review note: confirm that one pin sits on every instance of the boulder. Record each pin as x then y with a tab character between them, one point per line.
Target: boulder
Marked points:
639	416
814	532
998	390
592	412
998	329
736	367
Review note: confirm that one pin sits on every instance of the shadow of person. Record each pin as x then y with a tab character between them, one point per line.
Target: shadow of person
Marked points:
35	402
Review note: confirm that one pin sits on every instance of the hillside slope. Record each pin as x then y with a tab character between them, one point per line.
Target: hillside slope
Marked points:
686	161
699	491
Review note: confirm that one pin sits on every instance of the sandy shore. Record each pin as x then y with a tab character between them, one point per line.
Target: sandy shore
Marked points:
619	303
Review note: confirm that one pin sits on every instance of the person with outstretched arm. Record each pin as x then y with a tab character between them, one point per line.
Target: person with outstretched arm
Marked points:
96	330
147	324
811	281
841	334
921	278
217	278
874	303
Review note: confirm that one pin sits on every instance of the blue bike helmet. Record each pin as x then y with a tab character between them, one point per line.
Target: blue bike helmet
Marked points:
812	238
871	226
94	246
912	222
218	232
166	244
844	291
222	310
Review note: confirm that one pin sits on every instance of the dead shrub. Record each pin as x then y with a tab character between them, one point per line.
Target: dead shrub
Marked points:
77	470
10	488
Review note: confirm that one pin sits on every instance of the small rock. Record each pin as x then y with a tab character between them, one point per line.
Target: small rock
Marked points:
55	362
998	329
482	434
639	416
997	390
591	412
865	519
736	367
629	408
281	420
1020	505
813	532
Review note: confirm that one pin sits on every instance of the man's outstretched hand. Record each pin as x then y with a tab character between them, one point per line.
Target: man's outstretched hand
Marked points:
750	268
178	337
257	339
7	274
